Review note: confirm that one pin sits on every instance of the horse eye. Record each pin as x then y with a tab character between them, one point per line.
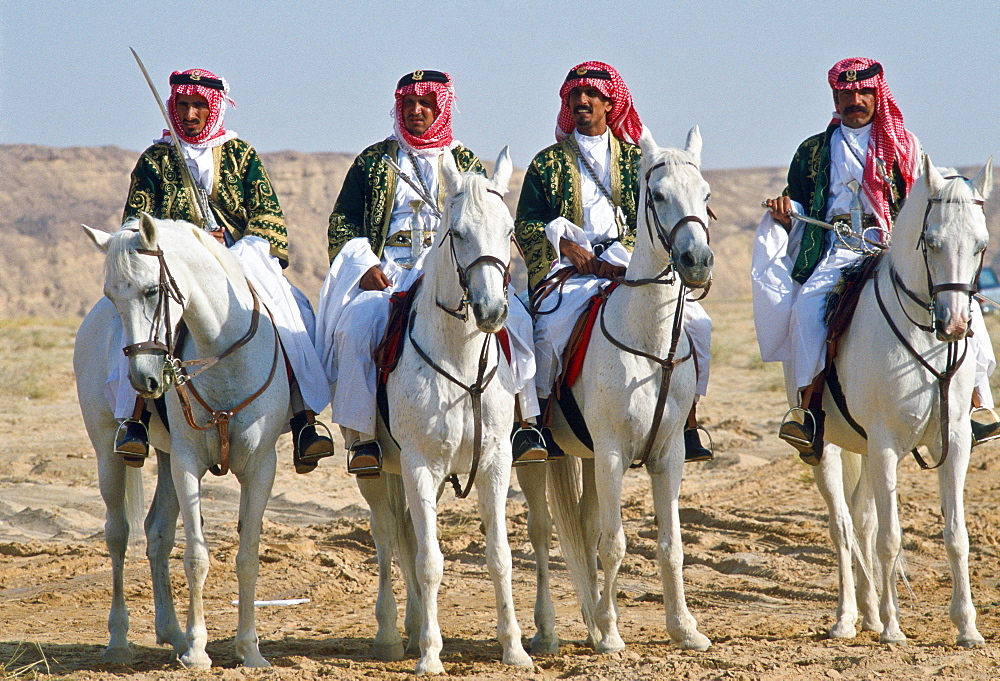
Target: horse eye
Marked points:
658	196
708	196
151	291
934	244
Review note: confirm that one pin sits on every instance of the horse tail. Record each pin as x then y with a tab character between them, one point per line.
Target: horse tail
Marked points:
565	496
135	507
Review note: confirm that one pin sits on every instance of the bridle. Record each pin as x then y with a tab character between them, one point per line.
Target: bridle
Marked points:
483	378
954	358
175	370
461	311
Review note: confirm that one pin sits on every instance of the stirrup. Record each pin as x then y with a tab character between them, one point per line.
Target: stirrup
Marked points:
984	432
537	454
369	471
710	449
800	443
298	443
132	458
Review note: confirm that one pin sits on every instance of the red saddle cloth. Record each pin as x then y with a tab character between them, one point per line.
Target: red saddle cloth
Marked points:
579	339
390	348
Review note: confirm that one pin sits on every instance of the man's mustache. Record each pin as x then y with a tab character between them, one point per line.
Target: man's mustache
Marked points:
856	109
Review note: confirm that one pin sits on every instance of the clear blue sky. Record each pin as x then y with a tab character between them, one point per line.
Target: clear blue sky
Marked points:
319	75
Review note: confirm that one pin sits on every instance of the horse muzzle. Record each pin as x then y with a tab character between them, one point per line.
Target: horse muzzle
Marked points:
490	318
694	266
951	324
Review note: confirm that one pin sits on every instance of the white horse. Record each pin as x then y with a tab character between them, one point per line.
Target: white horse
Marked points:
197	279
938	242
433	419
617	392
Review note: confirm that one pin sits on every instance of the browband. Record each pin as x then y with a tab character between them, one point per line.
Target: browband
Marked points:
197	79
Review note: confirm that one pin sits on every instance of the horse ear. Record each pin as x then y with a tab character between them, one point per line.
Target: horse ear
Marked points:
503	170
147	231
450	174
932	177
693	145
647	143
99	237
983	181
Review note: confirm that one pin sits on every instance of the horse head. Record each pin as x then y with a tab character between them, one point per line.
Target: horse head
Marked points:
953	240
674	206
477	227
147	297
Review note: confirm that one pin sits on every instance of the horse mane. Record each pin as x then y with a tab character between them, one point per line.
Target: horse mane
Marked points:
672	157
123	245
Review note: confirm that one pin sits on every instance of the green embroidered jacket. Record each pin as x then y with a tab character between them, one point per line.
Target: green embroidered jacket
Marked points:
364	207
242	197
552	189
809	184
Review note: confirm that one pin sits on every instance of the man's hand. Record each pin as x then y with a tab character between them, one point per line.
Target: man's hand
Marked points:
220	235
780	209
583	260
374	280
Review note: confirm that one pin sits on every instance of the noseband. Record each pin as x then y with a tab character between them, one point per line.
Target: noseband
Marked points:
462	310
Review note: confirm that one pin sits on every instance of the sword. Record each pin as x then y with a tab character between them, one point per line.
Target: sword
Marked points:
840	229
431	203
203	211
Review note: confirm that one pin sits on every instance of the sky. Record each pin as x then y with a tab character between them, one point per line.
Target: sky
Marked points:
319	75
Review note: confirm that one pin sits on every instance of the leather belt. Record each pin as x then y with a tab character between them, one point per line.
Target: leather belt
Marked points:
404	238
867	220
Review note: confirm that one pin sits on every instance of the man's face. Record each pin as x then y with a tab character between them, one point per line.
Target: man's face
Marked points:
856	107
193	111
589	107
419	112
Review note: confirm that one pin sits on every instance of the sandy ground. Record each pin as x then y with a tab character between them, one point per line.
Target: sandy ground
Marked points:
759	569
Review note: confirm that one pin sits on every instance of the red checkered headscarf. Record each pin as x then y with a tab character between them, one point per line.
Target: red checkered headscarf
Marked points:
215	90
622	119
438	137
889	141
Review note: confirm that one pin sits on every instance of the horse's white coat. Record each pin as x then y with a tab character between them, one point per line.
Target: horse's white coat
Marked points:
897	402
431	419
217	312
617	394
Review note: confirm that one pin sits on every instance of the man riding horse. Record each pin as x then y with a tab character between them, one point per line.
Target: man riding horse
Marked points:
392	189
244	214
864	155
578	210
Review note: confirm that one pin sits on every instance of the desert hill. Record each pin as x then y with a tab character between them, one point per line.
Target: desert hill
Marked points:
49	268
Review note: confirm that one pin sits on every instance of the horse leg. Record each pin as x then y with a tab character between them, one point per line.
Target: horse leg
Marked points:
196	560
111	471
161	530
492	492
665	480
608	470
882	476
868	570
532	482
421	492
255	490
388	643
830	481
591	524
951	481
406	548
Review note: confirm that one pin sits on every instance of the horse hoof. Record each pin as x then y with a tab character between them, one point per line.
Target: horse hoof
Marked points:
388	652
612	644
118	655
175	640
971	642
696	641
192	661
873	626
413	647
548	645
256	662
429	667
893	640
843	630
516	657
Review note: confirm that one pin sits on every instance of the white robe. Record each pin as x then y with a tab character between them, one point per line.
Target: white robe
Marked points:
351	322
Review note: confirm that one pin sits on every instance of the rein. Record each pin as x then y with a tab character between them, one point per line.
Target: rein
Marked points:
475	391
176	369
953	360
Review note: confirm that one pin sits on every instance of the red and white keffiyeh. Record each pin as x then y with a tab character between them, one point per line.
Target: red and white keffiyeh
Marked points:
623	119
889	141
215	90
438	137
